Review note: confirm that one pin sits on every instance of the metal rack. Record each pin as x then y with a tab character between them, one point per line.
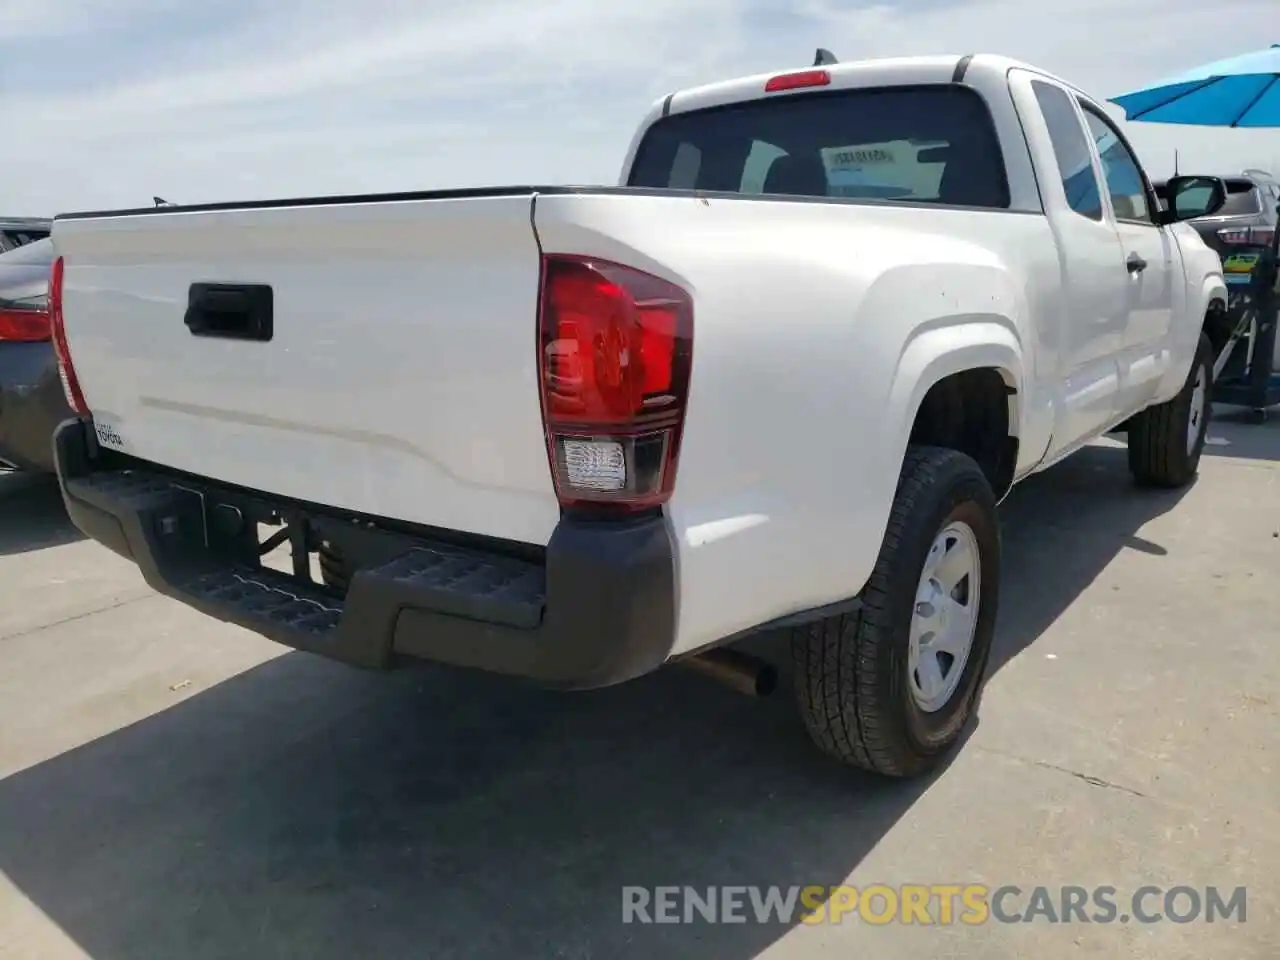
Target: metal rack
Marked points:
1244	373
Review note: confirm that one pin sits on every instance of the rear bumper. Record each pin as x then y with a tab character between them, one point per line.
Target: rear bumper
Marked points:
32	405
598	608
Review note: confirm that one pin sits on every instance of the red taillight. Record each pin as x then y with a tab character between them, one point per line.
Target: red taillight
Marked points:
66	370
794	81
615	355
23	326
1247	236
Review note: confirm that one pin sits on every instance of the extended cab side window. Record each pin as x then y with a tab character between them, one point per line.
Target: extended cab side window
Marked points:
1125	182
1071	149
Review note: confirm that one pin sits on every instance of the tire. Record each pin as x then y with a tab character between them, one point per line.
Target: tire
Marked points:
1166	441
856	687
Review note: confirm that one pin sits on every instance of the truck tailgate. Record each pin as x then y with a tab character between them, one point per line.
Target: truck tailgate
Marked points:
399	379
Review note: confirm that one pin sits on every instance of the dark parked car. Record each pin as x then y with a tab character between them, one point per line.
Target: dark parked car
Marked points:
19	231
1247	219
31	399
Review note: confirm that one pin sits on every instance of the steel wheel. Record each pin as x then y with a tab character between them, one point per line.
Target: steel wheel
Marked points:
1199	400
945	617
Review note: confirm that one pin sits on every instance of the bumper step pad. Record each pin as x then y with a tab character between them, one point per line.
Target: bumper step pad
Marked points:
163	527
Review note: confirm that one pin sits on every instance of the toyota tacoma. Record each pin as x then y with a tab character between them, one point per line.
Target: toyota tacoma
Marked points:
777	379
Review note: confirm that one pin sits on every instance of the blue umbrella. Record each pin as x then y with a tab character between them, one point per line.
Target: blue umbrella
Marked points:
1243	91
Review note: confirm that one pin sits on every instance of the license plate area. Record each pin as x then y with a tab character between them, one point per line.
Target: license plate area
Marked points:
261	533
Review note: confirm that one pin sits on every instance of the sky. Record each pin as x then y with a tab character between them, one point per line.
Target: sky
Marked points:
107	103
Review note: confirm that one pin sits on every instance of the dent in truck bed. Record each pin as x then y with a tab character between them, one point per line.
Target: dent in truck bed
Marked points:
597	607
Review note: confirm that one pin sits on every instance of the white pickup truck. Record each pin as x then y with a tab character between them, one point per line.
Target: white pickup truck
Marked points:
777	379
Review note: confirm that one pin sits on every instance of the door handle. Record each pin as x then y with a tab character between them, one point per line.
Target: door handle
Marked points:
232	311
1135	263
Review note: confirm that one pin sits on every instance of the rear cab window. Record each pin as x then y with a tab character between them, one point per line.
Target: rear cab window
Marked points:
12	239
1243	200
933	144
24	275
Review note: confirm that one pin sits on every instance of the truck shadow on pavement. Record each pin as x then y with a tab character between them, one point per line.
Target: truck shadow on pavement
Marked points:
32	516
1060	530
306	810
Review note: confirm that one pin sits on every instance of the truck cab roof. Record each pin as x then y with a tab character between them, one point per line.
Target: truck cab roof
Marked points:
878	72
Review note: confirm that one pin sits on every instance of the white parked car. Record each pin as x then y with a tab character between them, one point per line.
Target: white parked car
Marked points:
573	434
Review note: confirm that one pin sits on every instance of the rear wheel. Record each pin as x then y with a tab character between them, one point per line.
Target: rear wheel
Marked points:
891	687
1166	441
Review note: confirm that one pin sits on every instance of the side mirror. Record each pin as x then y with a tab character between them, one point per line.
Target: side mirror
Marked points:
1191	197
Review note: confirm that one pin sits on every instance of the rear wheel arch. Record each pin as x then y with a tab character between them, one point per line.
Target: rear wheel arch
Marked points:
974	411
961	386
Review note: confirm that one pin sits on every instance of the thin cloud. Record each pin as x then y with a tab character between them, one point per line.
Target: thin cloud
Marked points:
27	20
236	99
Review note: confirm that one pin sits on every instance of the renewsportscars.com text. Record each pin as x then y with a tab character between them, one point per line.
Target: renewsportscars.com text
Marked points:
942	904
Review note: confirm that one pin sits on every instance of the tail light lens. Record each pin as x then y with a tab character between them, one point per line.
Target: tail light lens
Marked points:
23	324
615	356
66	370
1247	236
797	81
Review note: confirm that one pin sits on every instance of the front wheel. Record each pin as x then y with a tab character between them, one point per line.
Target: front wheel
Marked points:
890	687
1166	441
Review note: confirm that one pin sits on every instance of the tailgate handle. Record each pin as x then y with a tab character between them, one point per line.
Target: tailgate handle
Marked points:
232	311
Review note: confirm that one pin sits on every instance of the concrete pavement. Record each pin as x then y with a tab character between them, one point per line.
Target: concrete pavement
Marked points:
171	787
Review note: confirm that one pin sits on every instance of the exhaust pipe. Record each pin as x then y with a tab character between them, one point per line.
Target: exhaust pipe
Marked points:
739	671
